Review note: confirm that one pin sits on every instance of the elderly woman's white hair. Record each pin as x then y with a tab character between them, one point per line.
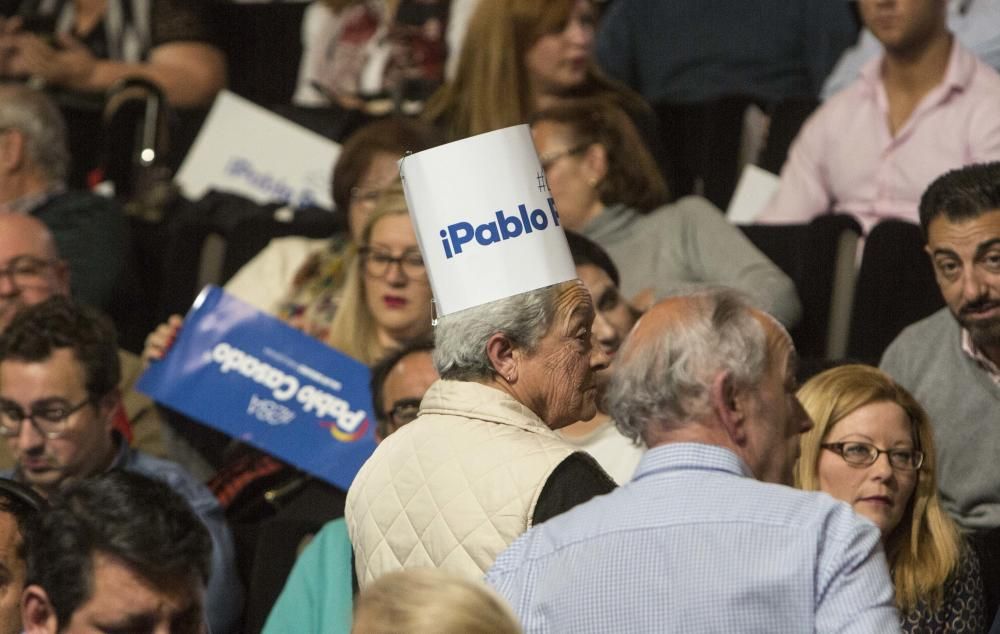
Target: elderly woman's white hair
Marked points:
460	338
666	382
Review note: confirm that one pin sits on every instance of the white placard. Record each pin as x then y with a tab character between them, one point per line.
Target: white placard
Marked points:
248	150
754	191
485	219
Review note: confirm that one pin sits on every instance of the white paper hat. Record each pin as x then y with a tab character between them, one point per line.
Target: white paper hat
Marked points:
485	219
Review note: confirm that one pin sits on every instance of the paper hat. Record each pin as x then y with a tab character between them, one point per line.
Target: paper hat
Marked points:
485	219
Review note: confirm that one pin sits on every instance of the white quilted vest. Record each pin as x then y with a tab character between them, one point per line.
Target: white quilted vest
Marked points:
453	488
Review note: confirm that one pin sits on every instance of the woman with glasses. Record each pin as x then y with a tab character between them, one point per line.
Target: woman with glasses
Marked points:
300	279
872	447
606	187
386	300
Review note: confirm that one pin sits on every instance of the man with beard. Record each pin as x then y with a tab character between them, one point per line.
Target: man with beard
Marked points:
951	360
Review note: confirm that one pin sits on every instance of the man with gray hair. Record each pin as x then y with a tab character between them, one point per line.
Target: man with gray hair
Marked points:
704	538
89	230
482	463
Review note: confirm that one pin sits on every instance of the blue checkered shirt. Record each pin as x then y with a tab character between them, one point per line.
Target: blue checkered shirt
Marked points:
694	544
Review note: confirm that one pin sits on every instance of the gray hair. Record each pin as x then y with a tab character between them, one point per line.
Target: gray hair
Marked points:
460	338
667	381
35	115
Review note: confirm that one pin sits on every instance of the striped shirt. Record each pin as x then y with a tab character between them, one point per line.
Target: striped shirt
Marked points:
694	544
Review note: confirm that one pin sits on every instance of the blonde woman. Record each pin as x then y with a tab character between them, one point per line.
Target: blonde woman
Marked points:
431	601
387	298
872	447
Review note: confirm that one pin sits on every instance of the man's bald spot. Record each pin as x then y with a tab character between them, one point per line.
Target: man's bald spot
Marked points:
779	343
25	235
664	316
674	313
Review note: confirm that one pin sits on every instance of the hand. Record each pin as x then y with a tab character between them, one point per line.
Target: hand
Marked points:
159	341
70	66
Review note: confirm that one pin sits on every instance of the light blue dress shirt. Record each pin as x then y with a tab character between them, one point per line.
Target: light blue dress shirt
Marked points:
694	544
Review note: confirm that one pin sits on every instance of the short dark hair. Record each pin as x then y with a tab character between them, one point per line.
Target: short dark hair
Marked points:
137	520
961	194
380	372
585	251
58	322
25	506
395	135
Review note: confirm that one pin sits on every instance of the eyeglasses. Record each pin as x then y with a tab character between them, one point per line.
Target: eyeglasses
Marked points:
549	160
404	411
378	261
863	454
26	270
49	418
366	196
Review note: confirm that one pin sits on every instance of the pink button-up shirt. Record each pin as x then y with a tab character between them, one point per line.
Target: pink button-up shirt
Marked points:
846	160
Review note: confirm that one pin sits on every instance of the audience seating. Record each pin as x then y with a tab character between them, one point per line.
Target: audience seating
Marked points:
819	257
786	118
210	239
702	141
895	288
266	71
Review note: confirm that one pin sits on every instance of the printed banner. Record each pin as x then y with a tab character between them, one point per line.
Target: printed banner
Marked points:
257	379
485	219
248	150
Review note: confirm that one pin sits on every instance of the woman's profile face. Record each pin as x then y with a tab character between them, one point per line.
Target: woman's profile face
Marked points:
397	293
878	491
572	182
558	380
558	61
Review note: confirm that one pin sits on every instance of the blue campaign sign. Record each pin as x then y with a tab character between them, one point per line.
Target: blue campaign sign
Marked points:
261	381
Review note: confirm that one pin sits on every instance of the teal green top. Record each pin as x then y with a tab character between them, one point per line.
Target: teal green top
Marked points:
317	598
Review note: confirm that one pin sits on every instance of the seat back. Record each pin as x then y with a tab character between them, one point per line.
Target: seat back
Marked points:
896	287
819	257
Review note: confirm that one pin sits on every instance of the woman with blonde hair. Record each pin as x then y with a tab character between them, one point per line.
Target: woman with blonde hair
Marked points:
861	415
521	56
386	300
426	601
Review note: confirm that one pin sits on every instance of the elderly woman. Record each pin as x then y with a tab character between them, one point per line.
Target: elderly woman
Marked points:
482	463
872	447
606	186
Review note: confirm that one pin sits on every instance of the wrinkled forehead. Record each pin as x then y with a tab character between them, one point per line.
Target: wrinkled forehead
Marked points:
573	302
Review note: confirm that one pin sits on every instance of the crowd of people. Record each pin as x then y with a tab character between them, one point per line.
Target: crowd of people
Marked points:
633	446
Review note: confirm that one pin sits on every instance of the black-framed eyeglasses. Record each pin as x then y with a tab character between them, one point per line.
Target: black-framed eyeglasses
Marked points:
548	160
48	418
404	411
863	454
378	261
26	270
